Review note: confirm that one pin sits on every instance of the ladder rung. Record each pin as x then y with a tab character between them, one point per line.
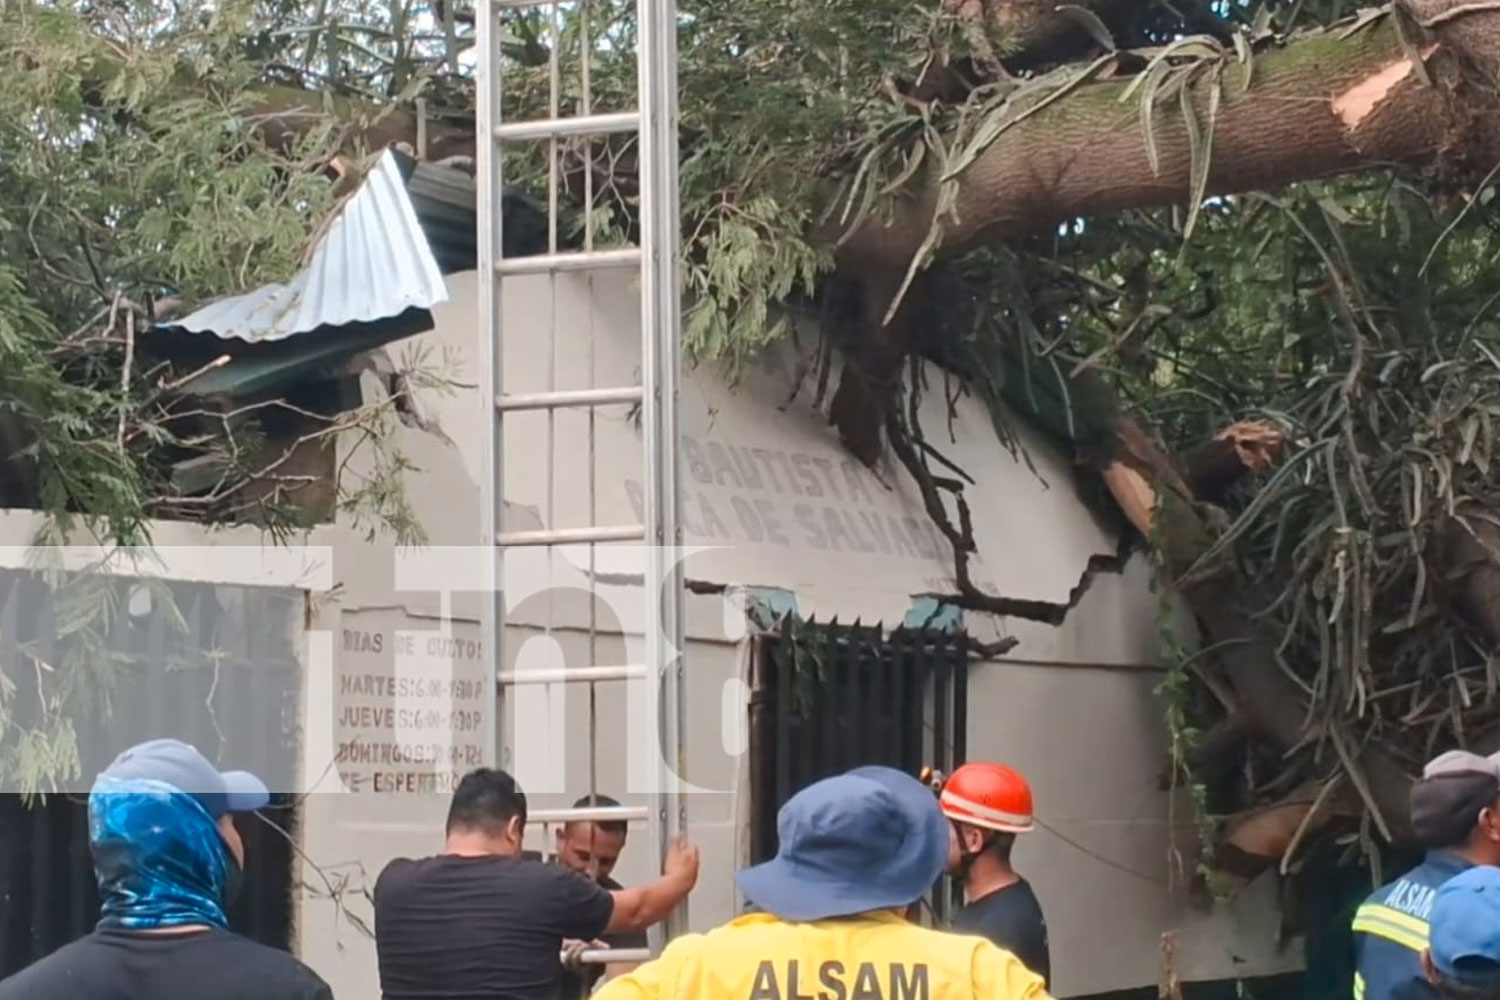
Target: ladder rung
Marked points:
561	128
573	675
590	814
581	260
576	536
570	397
605	956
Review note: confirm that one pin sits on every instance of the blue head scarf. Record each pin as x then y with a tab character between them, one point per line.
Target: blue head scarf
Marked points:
158	855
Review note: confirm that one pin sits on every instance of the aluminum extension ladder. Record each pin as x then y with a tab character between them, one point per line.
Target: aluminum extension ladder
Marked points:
655	122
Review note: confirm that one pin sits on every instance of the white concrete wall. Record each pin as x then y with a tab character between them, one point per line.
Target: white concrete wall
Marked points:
779	502
766	481
1107	864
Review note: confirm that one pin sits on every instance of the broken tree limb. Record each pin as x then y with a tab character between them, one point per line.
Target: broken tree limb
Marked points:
1470	557
1247	447
1256	839
1272	704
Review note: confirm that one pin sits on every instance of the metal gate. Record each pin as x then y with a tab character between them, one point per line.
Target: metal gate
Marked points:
827	698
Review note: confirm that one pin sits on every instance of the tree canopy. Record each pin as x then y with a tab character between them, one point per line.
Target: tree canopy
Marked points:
1233	258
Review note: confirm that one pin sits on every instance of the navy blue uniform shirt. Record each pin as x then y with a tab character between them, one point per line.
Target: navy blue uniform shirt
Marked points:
1390	932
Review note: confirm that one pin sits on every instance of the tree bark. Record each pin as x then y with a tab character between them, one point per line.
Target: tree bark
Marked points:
1243	448
1468	565
1316	107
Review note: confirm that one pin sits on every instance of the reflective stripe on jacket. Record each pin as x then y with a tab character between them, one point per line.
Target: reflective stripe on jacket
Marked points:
1390	932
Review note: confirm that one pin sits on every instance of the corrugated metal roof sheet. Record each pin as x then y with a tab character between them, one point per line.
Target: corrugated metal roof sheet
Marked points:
372	264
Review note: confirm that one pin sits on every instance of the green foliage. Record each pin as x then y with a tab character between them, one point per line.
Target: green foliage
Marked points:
1387	372
167	192
779	101
70	434
1359	317
1178	693
781	94
133	169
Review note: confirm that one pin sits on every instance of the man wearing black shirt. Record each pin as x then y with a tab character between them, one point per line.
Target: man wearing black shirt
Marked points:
988	805
592	849
168	859
482	922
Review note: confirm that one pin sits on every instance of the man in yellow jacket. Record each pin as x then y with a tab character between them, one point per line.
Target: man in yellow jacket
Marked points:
856	850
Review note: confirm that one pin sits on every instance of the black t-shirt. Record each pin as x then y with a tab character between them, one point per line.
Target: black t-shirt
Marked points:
572	985
128	965
1012	918
480	928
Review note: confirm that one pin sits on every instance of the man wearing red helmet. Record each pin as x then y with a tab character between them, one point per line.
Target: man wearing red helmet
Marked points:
988	804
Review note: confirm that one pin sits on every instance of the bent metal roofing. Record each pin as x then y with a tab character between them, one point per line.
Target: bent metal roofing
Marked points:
373	278
373	263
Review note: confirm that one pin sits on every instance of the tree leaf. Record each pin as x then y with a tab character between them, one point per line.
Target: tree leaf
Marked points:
1200	145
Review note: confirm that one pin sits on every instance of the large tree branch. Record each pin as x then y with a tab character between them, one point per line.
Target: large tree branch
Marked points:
1332	102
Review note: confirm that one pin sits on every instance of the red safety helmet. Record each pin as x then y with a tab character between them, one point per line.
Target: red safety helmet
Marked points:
988	795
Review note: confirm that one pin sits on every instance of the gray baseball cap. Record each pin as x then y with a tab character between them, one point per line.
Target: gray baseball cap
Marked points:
1462	762
1455	787
184	768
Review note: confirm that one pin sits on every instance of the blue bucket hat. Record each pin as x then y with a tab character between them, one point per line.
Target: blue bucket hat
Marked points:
871	839
177	764
1464	928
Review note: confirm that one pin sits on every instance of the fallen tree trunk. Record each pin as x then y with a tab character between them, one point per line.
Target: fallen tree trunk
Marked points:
1316	107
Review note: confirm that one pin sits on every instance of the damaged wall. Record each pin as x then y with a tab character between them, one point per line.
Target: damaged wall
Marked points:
777	503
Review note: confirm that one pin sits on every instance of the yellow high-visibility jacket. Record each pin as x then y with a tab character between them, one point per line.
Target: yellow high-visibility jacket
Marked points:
875	956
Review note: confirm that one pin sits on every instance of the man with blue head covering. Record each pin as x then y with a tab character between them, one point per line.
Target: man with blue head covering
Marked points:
856	850
168	860
1462	960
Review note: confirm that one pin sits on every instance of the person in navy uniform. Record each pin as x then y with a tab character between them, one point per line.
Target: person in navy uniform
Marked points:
1455	814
